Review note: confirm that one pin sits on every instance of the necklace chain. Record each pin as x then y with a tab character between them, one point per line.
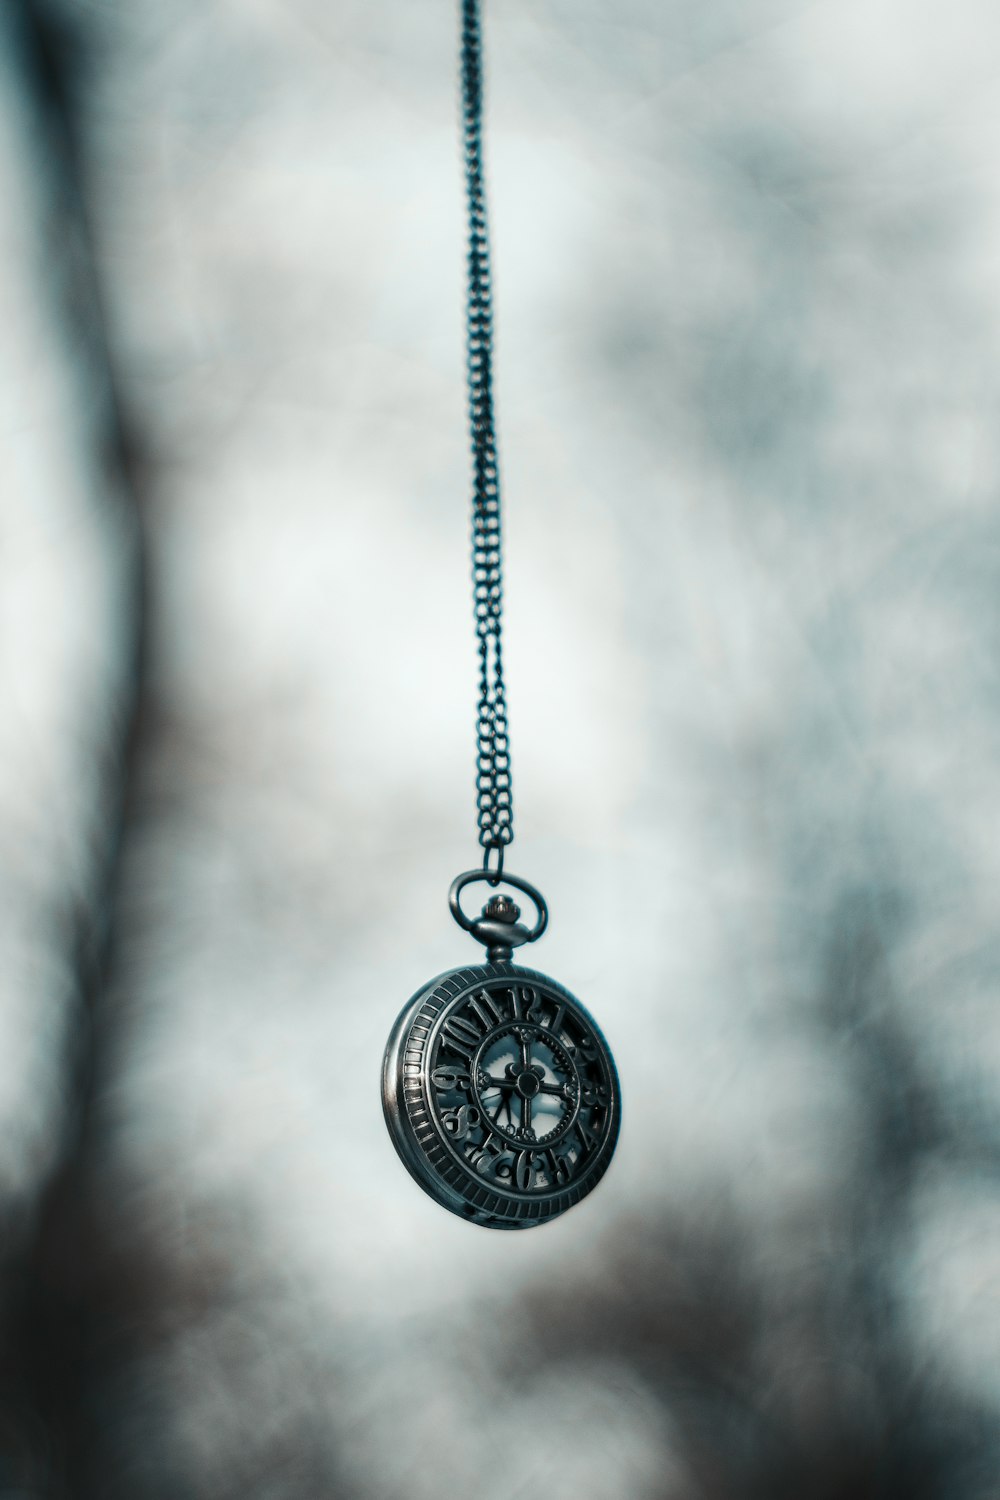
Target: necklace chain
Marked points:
494	799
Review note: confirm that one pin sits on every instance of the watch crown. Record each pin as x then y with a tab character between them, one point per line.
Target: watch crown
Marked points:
501	909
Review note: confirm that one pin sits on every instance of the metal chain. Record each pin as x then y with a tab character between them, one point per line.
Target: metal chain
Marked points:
494	801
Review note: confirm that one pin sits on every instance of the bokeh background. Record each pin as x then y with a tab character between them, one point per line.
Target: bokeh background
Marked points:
748	291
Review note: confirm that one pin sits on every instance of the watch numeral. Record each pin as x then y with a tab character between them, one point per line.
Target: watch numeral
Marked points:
486	1009
560	1165
524	999
451	1078
493	1163
458	1122
586	1048
594	1093
525	1167
461	1035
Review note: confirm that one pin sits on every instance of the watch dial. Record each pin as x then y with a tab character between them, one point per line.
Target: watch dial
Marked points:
501	1095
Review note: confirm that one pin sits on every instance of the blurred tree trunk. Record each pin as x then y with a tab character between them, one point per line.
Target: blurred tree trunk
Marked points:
75	565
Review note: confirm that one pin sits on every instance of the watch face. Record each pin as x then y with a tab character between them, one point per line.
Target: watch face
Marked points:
501	1095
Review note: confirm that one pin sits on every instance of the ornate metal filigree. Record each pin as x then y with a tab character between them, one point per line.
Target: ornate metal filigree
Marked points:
501	1095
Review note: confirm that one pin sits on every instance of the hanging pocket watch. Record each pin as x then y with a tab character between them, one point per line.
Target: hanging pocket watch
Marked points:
499	1091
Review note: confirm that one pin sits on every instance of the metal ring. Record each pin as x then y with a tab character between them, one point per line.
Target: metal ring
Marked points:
471	876
493	876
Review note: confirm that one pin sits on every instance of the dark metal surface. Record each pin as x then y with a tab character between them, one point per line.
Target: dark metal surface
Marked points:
501	1095
498	928
494	801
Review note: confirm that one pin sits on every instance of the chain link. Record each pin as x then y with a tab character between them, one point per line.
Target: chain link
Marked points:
494	800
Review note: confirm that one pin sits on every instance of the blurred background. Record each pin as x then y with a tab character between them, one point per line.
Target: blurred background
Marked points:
747	270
